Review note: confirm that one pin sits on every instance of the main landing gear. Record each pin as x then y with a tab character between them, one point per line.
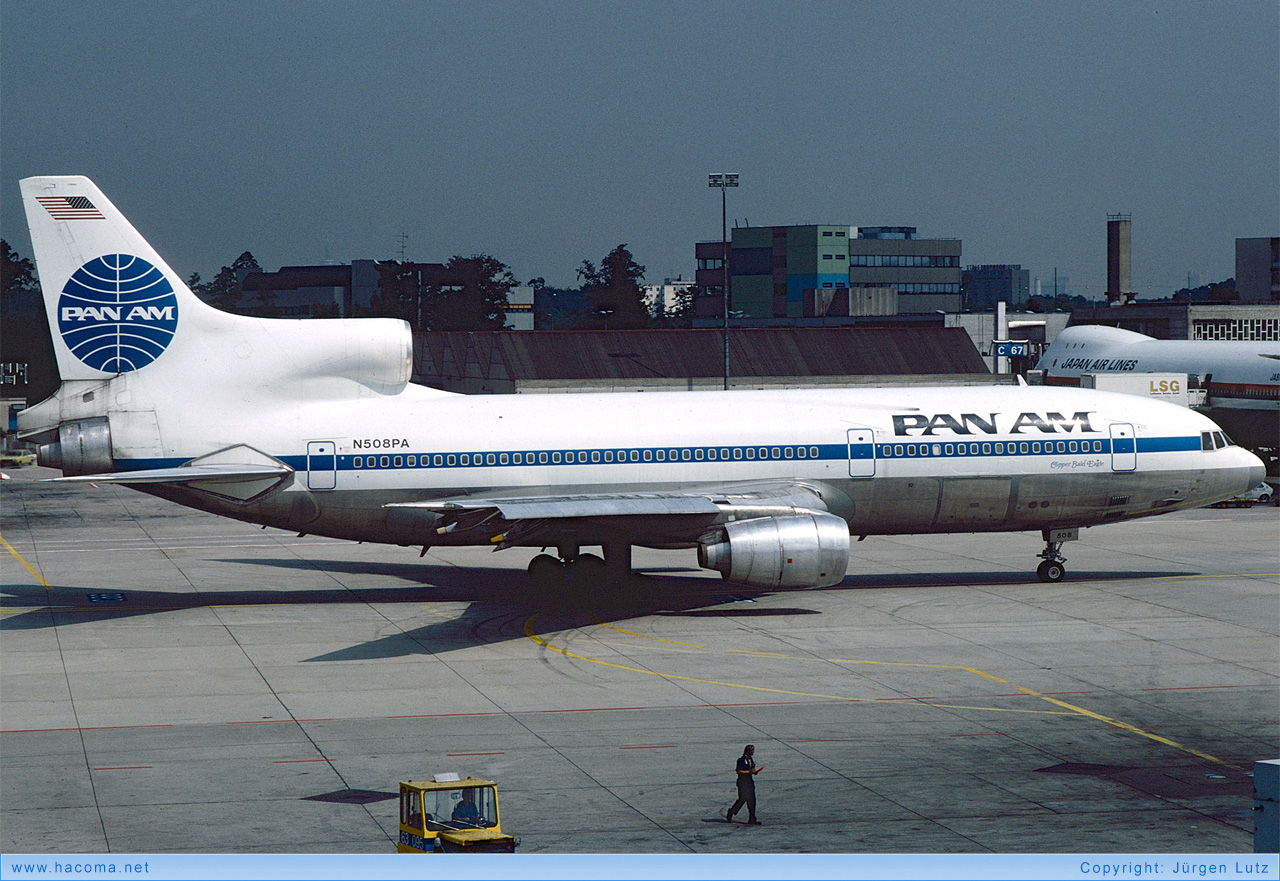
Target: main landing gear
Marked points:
573	575
550	573
1053	568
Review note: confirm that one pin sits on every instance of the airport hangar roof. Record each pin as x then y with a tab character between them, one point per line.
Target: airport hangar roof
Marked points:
503	361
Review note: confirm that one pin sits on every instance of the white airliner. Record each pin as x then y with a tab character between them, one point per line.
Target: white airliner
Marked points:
1242	379
313	426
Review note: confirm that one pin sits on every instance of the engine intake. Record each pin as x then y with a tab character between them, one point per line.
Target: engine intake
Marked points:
82	447
803	550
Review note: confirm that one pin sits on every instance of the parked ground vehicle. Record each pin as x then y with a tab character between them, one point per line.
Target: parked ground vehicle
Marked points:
1262	494
451	814
14	458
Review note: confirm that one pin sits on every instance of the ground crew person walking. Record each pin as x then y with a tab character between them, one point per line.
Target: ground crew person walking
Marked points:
747	772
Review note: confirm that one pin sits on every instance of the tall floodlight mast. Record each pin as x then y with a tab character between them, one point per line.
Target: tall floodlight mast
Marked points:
723	182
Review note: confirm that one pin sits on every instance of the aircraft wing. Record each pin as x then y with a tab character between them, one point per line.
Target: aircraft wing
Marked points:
595	505
670	514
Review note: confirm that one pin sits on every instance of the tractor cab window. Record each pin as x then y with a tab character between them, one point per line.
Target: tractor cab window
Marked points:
411	808
473	807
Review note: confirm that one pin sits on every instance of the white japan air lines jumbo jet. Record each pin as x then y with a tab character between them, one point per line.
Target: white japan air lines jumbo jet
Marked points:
313	426
1241	378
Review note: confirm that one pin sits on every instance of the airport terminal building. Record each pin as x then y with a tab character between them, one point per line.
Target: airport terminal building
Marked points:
829	271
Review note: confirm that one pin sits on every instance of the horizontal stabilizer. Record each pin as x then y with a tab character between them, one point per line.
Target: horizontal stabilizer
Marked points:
182	474
240	473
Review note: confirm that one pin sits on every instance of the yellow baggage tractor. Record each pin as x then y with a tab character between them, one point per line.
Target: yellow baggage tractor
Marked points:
451	814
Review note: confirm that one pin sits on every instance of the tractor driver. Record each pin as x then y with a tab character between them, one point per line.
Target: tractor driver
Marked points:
466	811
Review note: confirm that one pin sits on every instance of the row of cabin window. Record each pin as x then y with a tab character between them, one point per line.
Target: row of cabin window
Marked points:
888	451
582	457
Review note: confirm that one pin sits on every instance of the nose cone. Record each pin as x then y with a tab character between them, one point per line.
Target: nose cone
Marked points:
1257	471
1235	471
1245	464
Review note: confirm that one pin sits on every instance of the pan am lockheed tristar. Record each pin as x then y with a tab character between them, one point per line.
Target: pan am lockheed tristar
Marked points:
313	426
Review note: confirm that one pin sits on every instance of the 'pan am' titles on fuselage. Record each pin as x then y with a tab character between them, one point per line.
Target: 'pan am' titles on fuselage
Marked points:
969	423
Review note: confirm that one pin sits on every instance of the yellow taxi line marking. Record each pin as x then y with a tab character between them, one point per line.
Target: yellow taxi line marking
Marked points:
999	709
1127	727
654	638
427	607
17	556
532	634
1071	709
646	647
974	670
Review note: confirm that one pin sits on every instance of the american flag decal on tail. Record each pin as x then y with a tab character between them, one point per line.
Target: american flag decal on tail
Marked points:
70	208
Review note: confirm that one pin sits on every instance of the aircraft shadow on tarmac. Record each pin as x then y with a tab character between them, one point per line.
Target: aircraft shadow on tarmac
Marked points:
500	601
512	583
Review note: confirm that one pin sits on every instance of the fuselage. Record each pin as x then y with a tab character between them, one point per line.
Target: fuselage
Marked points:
887	461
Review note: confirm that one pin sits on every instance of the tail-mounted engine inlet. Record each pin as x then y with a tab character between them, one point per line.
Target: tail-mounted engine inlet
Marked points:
82	447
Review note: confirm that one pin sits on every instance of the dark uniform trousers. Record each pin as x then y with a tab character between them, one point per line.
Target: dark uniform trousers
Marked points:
746	796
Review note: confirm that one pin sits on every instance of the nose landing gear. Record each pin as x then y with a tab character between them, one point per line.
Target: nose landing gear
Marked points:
1051	571
1053	568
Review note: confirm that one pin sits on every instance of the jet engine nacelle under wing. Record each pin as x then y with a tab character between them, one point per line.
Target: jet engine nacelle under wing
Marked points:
803	550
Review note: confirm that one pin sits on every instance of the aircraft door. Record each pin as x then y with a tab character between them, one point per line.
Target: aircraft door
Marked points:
862	453
322	465
1124	447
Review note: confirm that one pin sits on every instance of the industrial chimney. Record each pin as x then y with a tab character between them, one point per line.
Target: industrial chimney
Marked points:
1119	258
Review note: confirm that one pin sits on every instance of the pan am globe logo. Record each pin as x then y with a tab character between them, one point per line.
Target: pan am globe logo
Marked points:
117	313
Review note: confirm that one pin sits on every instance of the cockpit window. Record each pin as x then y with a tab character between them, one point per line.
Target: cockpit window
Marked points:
1206	441
1218	440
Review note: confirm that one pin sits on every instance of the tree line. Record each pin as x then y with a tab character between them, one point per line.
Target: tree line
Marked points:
25	342
471	293
466	293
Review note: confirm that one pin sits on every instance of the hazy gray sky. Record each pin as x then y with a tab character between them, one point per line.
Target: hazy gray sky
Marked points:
547	133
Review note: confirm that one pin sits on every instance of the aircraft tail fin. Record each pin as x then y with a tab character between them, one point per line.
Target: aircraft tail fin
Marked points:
118	312
113	304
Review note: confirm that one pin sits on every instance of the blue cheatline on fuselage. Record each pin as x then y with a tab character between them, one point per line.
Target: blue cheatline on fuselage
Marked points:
737	454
